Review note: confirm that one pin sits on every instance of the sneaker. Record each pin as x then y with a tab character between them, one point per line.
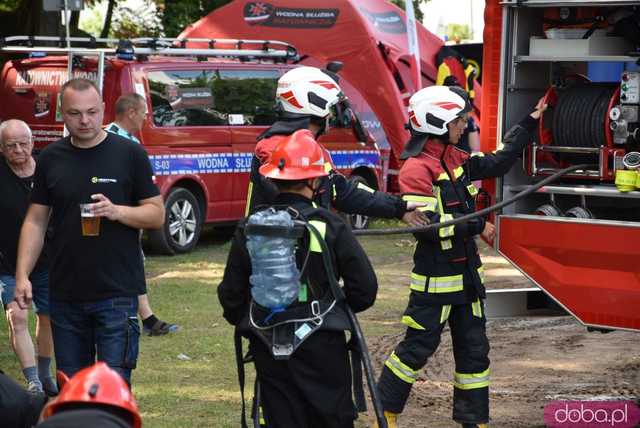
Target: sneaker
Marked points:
160	328
35	387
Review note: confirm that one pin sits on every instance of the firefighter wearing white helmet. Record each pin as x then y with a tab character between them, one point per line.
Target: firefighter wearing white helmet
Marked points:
446	281
306	97
308	91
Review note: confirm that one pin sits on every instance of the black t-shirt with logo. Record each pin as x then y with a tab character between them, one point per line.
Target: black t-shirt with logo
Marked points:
14	201
85	268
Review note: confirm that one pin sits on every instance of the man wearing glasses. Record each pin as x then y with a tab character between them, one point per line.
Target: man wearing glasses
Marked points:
17	167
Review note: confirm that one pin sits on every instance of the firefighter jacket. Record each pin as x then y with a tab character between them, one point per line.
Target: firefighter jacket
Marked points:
447	266
335	190
349	260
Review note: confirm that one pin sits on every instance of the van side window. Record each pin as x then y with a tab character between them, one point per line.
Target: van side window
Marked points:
247	96
185	98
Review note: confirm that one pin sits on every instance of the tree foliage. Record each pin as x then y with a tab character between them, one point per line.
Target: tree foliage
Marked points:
458	32
177	14
143	22
416	7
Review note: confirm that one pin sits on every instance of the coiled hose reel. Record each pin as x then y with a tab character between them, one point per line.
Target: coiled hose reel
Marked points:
587	122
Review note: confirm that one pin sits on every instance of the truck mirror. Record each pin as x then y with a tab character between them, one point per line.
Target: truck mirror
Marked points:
358	129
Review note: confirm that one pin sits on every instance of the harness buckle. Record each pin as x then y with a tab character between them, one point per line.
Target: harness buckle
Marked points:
315	308
315	311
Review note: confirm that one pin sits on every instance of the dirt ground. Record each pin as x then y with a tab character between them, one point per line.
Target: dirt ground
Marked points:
534	361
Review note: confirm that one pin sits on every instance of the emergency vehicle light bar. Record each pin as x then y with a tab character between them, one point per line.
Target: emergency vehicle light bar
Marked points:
157	46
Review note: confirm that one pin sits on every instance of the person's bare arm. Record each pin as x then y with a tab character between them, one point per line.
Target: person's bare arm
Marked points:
30	245
148	214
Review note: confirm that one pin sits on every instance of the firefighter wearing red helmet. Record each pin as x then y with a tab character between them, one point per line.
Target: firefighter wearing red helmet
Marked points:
97	387
447	278
305	97
313	386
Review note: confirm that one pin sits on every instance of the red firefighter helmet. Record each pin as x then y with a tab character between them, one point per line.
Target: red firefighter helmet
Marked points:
298	157
99	385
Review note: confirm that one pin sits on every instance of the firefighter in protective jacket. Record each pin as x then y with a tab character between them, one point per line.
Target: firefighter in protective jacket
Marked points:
447	278
313	388
305	97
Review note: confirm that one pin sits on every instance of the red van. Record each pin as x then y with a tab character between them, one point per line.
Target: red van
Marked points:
205	112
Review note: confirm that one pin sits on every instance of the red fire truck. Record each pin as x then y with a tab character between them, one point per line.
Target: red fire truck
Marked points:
578	239
206	108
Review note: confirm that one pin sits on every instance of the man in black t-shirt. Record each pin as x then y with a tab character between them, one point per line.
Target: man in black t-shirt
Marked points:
16	179
94	280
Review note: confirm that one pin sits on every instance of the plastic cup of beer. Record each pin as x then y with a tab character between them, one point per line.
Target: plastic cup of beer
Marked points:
90	221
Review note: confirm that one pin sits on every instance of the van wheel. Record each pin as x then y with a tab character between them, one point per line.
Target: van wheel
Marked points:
182	224
358	221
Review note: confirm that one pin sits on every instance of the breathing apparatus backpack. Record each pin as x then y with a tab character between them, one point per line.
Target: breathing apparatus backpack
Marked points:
284	329
283	323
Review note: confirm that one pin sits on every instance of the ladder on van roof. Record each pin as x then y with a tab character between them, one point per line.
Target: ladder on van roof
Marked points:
236	48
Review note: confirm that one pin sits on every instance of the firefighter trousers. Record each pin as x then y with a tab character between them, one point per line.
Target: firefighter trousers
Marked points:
470	350
310	390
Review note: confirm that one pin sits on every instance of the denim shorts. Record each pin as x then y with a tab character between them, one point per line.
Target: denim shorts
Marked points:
105	329
39	290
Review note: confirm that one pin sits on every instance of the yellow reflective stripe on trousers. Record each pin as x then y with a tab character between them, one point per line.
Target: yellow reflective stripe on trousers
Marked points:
444	315
446	244
248	205
430	201
445	284
400	369
314	244
417	282
407	320
446	232
364	187
481	274
471	380
476	308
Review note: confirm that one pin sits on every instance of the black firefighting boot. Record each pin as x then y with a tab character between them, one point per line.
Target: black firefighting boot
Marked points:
392	420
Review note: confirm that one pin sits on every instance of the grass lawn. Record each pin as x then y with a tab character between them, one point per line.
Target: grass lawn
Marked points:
203	390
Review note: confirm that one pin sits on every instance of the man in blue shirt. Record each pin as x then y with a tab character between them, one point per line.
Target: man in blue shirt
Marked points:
131	112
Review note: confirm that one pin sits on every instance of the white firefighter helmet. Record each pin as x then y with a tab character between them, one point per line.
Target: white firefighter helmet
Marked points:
432	108
307	91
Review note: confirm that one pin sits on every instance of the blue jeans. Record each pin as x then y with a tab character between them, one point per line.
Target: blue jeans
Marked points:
106	328
39	290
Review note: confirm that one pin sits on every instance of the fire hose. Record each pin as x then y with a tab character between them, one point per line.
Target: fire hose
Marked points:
479	213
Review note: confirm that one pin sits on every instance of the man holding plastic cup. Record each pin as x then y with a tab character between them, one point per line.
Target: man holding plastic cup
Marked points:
96	269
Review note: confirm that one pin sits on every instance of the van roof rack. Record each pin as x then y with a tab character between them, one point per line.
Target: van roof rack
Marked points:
241	48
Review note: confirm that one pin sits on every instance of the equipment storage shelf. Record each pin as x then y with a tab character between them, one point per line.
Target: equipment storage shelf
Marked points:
595	58
603	191
557	70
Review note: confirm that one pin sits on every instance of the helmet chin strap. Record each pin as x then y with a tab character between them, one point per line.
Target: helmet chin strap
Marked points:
314	190
322	125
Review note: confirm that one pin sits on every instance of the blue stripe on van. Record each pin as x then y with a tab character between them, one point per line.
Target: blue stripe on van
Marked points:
228	163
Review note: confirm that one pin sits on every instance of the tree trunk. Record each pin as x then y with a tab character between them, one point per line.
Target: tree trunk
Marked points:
107	19
30	19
